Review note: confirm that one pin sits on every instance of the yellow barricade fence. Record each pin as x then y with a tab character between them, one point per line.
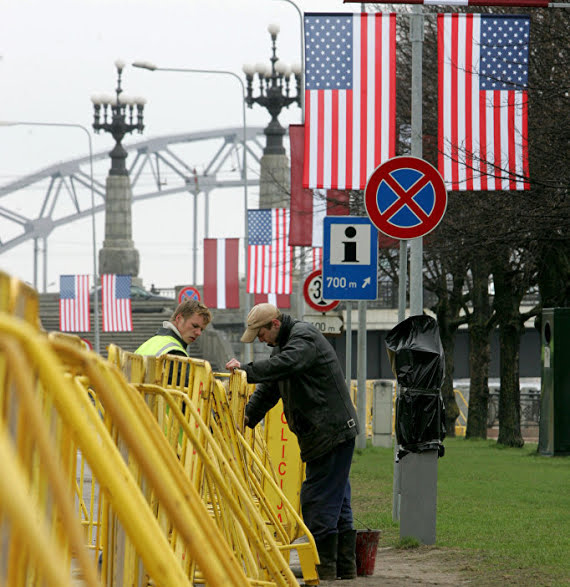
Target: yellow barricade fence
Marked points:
198	419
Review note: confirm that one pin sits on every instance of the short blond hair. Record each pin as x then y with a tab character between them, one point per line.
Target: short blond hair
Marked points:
189	307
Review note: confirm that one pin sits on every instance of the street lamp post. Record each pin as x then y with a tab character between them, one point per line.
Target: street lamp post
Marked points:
93	234
118	115
152	67
302	53
273	92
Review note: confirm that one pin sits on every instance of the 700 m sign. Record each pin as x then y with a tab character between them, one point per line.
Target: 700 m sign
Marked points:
339	282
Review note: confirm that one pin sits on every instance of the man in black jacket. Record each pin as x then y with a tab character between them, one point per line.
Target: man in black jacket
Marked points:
304	371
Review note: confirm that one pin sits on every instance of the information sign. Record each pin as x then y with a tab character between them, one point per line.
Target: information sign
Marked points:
350	258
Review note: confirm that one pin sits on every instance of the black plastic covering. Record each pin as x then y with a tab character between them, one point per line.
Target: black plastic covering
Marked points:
418	363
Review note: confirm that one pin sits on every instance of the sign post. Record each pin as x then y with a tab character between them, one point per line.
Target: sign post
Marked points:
350	272
406	198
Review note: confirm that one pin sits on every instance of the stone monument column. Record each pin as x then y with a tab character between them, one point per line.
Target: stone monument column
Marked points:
275	173
116	115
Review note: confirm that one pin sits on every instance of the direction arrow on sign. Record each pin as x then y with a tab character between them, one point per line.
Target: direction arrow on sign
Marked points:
405	197
325	323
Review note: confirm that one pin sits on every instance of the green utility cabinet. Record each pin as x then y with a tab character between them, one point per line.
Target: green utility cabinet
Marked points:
554	429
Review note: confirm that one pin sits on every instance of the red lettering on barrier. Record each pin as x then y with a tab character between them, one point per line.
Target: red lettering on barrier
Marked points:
280	506
284	468
281	483
282	437
280	518
283	452
283	420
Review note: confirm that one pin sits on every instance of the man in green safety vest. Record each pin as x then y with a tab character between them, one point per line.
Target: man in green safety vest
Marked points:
184	326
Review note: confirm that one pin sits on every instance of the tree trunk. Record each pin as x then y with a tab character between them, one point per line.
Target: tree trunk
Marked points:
447	393
479	353
507	301
509	397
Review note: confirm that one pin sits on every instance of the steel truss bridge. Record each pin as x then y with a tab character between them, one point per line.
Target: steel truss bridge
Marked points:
196	162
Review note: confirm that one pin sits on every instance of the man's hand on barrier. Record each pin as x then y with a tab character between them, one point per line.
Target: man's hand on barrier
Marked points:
233	364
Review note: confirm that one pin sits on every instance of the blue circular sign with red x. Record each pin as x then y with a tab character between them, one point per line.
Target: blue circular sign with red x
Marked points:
188	292
405	197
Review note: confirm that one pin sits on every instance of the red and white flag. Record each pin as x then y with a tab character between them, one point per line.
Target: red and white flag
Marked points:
350	97
221	278
116	303
270	258
309	207
74	303
282	301
483	112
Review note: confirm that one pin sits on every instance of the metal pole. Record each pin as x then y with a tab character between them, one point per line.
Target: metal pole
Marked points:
348	345
416	249
94	240
152	67
402	288
195	239
361	375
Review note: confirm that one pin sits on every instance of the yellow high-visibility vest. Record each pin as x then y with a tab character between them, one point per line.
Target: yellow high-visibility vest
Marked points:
160	345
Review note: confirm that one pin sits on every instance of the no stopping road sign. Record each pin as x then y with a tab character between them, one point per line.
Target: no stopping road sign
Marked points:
405	197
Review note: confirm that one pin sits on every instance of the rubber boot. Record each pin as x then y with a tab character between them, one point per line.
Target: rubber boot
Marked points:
327	549
346	555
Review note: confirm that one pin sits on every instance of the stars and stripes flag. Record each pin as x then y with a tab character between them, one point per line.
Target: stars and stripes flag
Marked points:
221	278
483	75
116	303
270	258
350	97
74	303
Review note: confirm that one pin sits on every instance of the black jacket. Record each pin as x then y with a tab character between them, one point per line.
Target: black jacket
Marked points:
305	372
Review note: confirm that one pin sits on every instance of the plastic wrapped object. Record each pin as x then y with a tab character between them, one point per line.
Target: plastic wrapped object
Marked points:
418	363
416	353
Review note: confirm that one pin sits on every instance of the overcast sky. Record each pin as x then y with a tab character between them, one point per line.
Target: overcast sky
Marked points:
55	54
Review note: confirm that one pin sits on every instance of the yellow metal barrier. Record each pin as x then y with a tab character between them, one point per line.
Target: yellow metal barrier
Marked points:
156	469
36	499
195	416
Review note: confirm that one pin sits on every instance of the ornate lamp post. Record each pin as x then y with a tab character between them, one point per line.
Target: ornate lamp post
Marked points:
118	115
274	94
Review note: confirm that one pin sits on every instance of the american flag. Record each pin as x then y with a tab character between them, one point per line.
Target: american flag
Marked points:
74	303
116	302
483	75
270	258
221	279
350	97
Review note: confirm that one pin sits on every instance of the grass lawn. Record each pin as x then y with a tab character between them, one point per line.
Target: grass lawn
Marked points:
504	512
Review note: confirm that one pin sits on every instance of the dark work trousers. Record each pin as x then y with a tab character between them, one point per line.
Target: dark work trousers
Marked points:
325	493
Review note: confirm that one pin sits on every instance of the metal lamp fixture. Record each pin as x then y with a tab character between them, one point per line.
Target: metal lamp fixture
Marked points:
118	115
274	91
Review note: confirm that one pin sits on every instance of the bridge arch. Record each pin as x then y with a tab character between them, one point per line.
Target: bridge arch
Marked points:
33	206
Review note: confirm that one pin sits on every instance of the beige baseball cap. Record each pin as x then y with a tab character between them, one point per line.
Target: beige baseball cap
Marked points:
259	316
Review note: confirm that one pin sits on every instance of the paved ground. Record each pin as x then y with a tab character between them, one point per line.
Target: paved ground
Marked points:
422	566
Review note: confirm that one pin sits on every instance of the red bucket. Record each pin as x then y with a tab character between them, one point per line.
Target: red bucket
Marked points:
366	547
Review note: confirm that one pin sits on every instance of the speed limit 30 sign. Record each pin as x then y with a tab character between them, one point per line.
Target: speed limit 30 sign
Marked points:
313	293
